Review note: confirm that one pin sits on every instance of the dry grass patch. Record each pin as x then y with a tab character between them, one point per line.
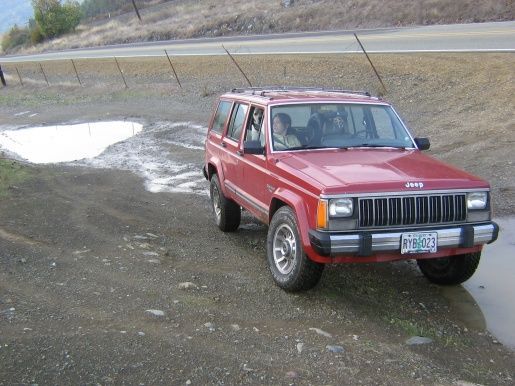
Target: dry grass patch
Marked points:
186	18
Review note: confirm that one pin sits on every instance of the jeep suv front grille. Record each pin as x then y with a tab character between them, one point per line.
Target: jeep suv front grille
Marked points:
412	210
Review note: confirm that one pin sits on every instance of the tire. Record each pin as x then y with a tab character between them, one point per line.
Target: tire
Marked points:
227	213
291	269
450	270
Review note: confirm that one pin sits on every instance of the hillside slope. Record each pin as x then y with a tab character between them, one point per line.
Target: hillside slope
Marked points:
206	18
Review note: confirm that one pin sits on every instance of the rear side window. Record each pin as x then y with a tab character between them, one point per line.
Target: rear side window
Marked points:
224	107
237	121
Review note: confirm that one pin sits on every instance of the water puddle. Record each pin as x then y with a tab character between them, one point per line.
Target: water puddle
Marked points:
167	155
487	299
65	143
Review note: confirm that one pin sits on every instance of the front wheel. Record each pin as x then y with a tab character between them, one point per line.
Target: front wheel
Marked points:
291	269
450	270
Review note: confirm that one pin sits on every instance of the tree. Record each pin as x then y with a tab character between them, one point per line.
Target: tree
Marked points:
14	38
54	18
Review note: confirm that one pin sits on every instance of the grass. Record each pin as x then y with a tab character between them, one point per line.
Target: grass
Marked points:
11	173
187	18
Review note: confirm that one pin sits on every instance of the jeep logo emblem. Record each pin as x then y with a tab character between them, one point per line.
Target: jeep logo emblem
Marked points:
419	185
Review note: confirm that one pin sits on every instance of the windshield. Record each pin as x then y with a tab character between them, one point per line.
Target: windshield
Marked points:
329	125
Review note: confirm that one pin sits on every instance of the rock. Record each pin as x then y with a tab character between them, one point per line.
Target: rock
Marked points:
334	348
150	254
287	3
141	333
235	327
210	326
154	261
187	285
416	340
292	374
156	312
300	347
321	332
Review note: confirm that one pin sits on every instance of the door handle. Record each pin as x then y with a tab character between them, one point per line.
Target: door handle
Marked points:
240	153
223	144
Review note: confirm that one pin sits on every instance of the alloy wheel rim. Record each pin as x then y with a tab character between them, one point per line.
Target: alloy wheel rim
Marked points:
284	249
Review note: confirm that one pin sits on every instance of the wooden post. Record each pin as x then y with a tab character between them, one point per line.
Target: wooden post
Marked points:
373	68
121	73
76	73
19	76
173	69
136	10
44	75
2	77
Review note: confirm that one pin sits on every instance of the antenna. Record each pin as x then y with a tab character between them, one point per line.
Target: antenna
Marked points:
372	64
236	64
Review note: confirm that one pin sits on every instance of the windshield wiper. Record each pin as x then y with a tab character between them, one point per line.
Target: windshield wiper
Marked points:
305	147
376	145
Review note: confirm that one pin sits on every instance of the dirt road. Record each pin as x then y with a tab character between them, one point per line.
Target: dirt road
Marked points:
112	270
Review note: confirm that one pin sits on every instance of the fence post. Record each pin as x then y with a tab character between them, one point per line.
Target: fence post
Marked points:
2	77
173	69
76	73
372	64
44	75
136	10
19	76
121	73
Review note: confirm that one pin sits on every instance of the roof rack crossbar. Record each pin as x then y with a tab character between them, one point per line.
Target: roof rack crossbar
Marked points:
262	91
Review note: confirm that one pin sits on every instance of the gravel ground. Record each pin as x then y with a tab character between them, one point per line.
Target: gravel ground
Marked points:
113	272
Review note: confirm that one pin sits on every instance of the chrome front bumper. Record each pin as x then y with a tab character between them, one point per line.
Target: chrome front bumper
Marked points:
365	243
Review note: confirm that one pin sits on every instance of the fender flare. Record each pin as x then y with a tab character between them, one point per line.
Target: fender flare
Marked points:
217	165
294	201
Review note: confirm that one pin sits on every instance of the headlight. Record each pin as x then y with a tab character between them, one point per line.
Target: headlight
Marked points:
341	207
477	200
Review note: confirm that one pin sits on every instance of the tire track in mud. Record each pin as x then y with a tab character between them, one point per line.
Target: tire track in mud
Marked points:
18	239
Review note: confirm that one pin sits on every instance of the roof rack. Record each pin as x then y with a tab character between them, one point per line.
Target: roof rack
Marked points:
262	91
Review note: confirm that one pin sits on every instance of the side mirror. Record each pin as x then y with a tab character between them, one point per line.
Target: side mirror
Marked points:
422	143
253	147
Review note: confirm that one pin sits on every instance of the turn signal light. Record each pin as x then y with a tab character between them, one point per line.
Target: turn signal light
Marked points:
322	214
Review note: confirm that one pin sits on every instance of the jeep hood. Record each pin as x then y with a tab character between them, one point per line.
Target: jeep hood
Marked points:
339	171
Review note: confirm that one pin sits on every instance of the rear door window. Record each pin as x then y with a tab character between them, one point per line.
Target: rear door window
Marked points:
224	107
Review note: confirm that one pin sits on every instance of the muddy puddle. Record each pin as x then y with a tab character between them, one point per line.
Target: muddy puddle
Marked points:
487	300
65	143
167	155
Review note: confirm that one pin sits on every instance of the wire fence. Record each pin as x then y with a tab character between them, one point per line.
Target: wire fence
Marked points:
69	71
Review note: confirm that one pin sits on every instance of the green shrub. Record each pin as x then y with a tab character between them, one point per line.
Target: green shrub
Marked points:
55	19
16	37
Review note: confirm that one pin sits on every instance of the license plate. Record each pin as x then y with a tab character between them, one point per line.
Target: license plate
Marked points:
419	242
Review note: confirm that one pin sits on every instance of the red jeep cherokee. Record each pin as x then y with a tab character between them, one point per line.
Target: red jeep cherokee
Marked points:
339	179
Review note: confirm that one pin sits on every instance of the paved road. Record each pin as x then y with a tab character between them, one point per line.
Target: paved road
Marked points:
481	37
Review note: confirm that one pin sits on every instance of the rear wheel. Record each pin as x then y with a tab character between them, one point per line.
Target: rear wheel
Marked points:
291	269
450	270
227	212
